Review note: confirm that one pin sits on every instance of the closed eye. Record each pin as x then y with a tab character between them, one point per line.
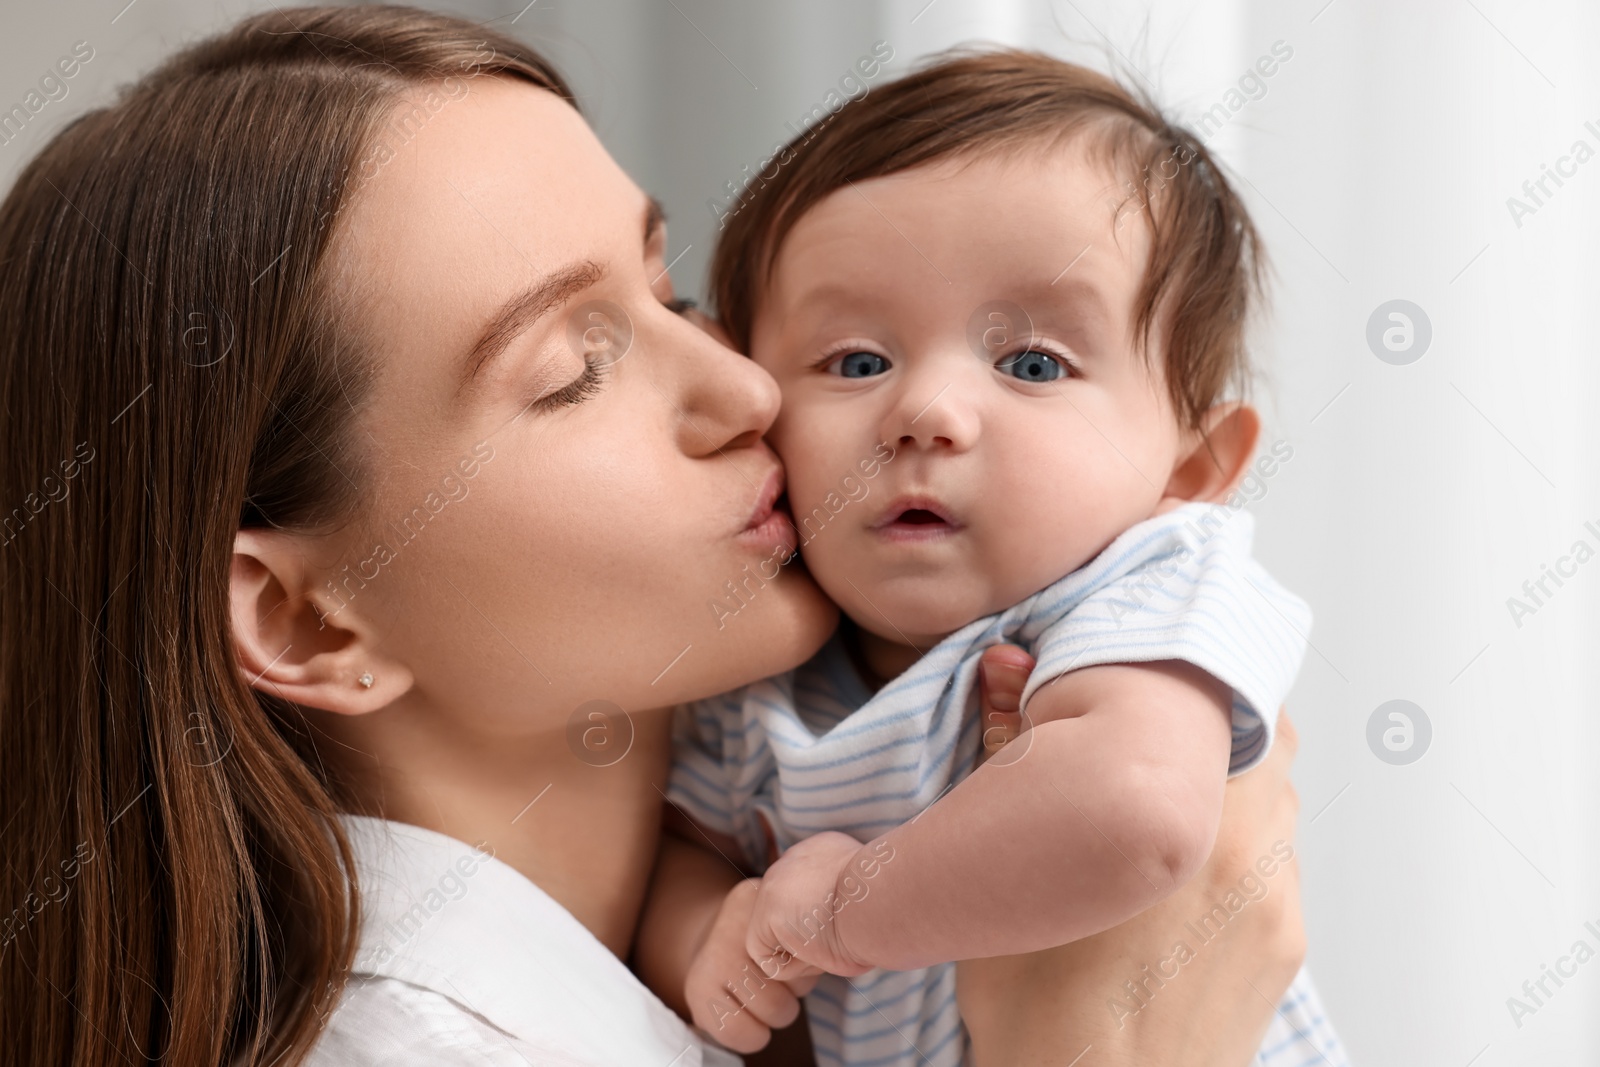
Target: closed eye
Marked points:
593	377
577	391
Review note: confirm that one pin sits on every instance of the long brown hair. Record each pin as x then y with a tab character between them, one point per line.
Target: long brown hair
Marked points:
176	886
1204	271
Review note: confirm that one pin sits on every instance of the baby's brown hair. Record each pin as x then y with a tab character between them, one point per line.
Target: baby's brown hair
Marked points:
1205	259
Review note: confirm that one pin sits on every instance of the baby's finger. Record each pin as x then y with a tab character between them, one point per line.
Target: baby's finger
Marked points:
803	985
775	1005
743	1012
720	1013
738	1030
777	962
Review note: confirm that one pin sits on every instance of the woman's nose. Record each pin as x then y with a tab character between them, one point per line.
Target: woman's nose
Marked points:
724	399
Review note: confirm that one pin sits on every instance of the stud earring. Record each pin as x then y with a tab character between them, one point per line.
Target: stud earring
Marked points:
365	681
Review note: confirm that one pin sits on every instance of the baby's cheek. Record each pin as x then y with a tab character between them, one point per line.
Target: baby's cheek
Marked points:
789	433
839	568
816	457
1051	526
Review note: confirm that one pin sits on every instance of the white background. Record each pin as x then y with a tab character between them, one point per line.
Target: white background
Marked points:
1378	164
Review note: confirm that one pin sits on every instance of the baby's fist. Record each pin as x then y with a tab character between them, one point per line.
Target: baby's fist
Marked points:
793	925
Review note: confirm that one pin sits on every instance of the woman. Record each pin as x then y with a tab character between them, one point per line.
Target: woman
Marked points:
364	467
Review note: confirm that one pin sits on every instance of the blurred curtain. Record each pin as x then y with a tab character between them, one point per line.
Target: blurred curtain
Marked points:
1380	157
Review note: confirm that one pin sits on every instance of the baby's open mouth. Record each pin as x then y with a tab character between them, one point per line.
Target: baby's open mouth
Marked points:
916	519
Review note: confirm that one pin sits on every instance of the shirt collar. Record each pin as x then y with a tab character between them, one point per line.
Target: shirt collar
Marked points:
440	914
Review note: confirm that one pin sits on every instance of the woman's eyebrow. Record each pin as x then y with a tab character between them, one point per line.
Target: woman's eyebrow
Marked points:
655	217
526	307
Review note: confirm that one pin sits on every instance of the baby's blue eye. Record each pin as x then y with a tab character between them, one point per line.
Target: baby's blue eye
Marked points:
861	365
1031	366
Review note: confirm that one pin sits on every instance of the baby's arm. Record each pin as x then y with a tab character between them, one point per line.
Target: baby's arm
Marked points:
687	888
1108	804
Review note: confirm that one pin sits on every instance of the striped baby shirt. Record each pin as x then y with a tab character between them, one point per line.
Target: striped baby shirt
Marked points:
814	749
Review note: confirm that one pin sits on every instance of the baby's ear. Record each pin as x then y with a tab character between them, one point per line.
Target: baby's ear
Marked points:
1218	454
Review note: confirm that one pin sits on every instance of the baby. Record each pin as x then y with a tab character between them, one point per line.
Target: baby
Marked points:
1005	302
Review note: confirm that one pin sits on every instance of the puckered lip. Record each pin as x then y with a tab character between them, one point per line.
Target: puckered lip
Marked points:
766	498
769	527
916	514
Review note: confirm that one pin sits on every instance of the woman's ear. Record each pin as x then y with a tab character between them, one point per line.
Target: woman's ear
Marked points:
299	642
1217	456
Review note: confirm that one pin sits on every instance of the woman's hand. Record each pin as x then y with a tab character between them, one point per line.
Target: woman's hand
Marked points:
1201	1002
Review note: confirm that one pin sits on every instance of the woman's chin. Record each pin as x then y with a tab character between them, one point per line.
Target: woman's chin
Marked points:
760	632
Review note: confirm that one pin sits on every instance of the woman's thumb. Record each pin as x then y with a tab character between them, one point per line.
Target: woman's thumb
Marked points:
1002	673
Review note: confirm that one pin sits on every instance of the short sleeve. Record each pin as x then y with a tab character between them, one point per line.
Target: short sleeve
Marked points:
1192	593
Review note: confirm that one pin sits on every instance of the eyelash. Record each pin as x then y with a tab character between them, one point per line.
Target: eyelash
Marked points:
589	382
834	352
580	389
844	348
1068	364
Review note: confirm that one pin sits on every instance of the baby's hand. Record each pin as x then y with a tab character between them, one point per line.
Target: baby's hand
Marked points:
730	995
793	928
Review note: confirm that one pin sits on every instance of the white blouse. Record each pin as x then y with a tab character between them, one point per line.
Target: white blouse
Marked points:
463	961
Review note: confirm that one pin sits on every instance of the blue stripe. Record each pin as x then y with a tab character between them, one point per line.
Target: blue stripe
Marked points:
790	787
